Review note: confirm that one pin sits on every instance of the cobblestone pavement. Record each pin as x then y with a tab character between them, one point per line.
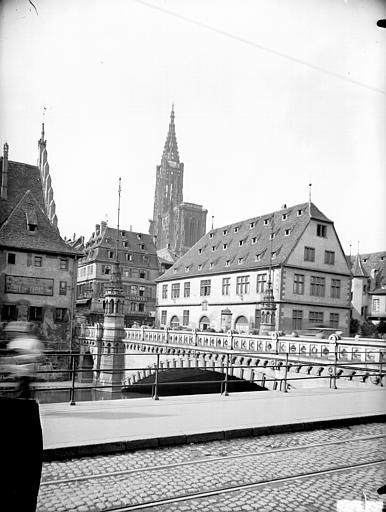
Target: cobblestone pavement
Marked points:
263	461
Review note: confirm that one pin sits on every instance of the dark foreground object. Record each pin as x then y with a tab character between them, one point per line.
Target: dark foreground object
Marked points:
21	454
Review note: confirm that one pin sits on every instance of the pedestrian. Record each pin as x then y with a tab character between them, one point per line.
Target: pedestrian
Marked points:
24	351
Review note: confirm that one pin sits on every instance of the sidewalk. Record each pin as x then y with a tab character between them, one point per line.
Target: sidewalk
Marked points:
108	426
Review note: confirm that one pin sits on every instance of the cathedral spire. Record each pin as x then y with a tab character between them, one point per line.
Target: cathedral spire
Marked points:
171	149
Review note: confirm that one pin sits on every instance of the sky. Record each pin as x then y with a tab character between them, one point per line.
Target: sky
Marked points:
269	96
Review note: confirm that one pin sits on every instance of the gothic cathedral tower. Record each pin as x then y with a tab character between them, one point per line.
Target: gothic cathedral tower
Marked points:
176	226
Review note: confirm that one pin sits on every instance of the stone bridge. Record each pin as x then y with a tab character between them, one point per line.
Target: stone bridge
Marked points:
273	362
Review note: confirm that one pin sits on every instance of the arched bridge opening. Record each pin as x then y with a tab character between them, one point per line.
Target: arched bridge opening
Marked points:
190	381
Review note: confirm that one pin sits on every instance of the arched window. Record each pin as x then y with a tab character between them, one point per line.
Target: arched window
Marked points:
204	323
174	322
241	324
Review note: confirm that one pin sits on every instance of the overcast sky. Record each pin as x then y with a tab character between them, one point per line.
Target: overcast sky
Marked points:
269	96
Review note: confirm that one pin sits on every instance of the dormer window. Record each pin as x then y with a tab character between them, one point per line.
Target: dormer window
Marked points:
287	232
225	232
364	260
123	233
199	267
258	257
32	221
199	251
213	248
210	235
272	236
187	268
252	225
225	246
236	229
273	255
228	263
211	265
266	222
253	240
299	213
241	243
240	260
139	236
284	216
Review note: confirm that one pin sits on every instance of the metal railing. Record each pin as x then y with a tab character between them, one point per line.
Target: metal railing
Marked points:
267	370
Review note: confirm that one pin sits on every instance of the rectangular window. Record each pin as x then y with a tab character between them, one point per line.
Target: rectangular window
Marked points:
35	314
299	284
111	254
164	291
9	312
242	285
133	290
185	317
335	288
142	290
187	289
334	320
60	314
38	261
141	307
329	257
175	290
129	257
297	319
226	281
261	280
205	287
317	286
163	317
309	254
321	230
11	258
316	317
133	306
63	288
376	305
63	264
125	244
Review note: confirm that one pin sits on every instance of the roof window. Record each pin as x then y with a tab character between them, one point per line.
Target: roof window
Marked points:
241	243
199	267
32	221
236	229
299	213
266	222
199	251
227	263
210	235
225	246
253	240
272	236
284	216
287	232
211	265
225	232
252	224
213	248
240	260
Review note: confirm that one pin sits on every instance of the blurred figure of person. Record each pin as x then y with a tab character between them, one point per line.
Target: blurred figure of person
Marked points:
21	441
24	351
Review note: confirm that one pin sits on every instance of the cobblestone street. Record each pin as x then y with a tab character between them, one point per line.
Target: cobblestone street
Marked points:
132	479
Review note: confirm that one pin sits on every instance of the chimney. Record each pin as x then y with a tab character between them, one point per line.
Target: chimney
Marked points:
97	229
103	224
4	174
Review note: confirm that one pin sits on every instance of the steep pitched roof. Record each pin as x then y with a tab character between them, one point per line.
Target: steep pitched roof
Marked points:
14	232
21	177
246	244
357	269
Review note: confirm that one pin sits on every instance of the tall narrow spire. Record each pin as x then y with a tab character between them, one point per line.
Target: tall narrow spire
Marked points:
171	149
44	168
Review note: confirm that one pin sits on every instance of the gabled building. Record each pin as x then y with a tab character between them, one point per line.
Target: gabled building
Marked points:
368	289
38	269
176	225
138	262
221	282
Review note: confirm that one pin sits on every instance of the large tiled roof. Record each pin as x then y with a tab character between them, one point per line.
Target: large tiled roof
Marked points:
14	231
248	243
21	177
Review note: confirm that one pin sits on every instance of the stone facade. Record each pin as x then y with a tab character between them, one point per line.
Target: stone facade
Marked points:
176	225
222	280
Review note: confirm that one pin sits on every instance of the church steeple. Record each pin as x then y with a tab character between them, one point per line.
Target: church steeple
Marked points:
171	149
